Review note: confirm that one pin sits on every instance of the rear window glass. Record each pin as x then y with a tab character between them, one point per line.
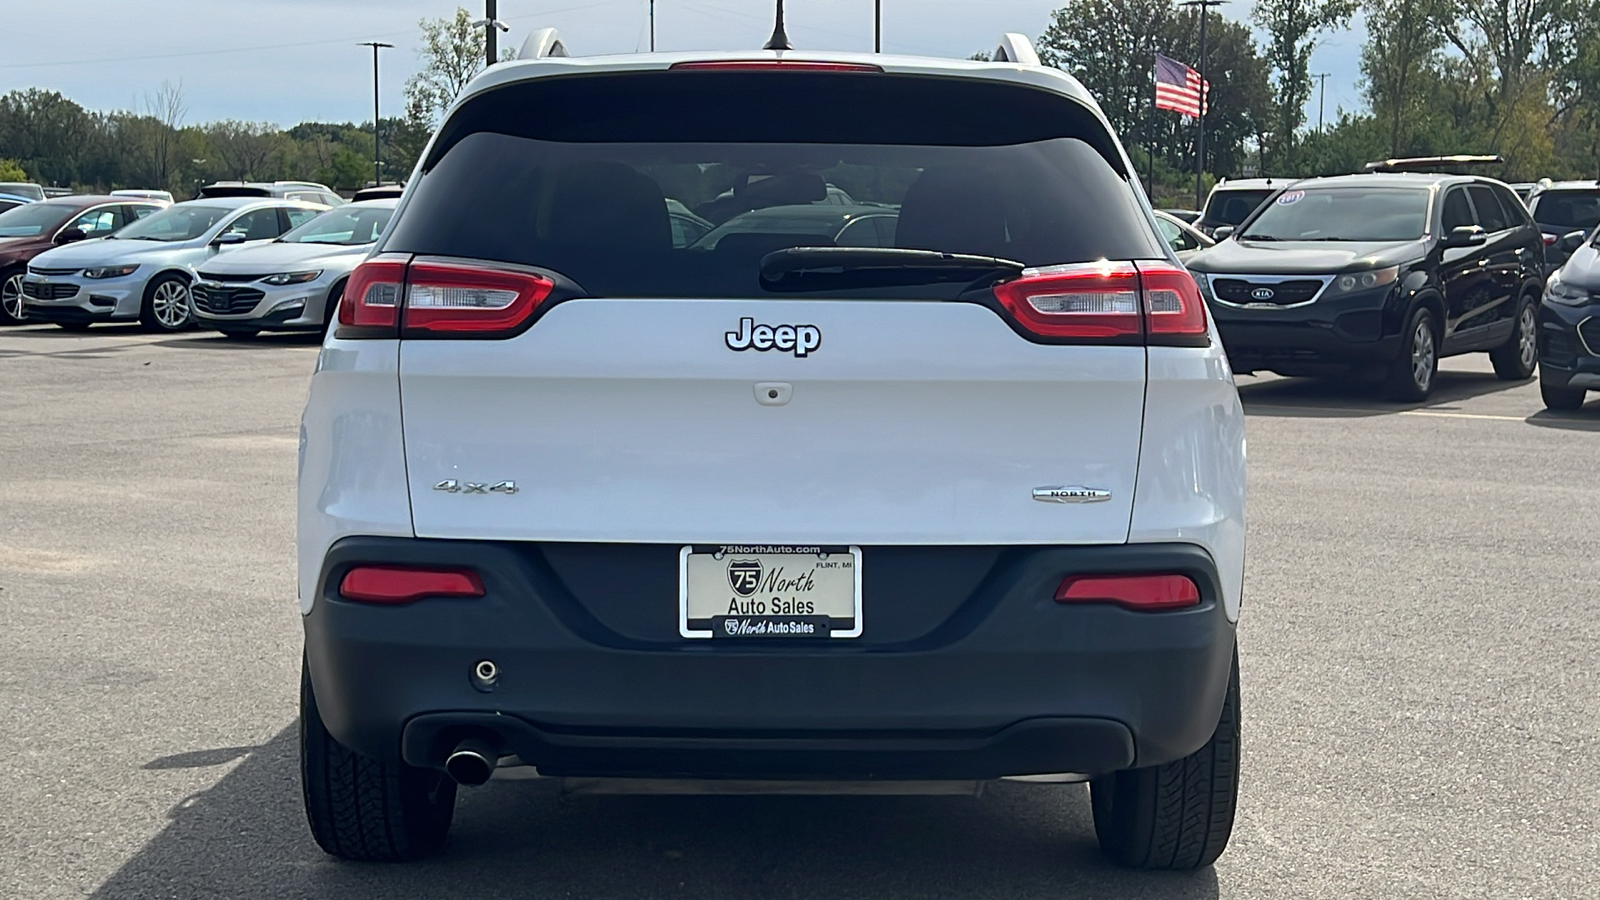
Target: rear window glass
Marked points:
1568	210
1232	207
598	178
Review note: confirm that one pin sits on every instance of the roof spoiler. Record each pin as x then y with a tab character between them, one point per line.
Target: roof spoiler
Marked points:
1016	48
1431	163
543	43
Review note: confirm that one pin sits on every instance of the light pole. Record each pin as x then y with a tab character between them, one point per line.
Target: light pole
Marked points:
491	40
1322	94
377	146
1205	102
652	26
877	26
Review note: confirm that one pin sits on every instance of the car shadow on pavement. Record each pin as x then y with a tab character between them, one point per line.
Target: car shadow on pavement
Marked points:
1585	419
247	837
1329	398
216	340
43	331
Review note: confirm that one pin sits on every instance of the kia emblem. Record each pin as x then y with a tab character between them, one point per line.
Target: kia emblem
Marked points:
1262	293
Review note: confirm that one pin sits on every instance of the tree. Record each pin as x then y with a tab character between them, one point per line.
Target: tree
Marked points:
11	170
1293	28
452	53
1404	38
244	149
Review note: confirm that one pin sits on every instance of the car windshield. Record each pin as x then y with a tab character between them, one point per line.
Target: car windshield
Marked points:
346	227
1568	210
1343	214
176	223
590	197
1233	207
34	219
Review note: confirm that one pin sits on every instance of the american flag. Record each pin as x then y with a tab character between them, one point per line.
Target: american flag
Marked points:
1178	87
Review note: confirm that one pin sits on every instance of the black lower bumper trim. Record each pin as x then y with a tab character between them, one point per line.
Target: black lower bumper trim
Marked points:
65	315
1031	747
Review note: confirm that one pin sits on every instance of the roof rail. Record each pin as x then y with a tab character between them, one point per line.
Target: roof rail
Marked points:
543	43
1431	164
1016	48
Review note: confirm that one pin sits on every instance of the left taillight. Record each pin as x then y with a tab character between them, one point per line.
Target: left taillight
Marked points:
392	585
390	294
1153	303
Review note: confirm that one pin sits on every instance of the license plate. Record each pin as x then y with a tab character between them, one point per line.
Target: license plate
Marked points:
748	592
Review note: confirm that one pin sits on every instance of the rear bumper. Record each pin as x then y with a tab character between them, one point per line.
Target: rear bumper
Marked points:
1011	683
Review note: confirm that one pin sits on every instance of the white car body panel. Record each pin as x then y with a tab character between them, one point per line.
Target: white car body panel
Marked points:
630	420
352	468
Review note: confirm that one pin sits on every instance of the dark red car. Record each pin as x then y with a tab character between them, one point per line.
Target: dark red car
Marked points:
31	229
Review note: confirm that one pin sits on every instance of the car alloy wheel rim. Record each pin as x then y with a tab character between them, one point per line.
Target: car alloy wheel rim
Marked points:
1527	345
171	304
1422	356
11	297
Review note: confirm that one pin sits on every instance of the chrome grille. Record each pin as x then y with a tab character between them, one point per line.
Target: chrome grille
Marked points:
48	291
32	270
1244	291
224	299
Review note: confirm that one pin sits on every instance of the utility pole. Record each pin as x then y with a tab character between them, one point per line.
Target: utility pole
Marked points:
491	39
1205	102
877	26
652	26
1322	94
377	145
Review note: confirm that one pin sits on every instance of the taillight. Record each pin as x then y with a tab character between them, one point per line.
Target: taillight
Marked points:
1109	301
443	297
407	584
1149	593
773	65
1550	240
372	295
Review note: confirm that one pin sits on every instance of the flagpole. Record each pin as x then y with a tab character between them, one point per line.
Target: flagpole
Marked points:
1200	138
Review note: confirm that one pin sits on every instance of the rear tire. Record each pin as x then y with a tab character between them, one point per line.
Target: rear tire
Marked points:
1413	372
1562	399
1178	815
364	809
11	309
1516	358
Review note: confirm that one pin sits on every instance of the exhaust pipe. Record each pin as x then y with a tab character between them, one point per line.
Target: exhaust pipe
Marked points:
472	762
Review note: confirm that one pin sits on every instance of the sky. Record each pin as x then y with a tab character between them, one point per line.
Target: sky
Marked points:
287	61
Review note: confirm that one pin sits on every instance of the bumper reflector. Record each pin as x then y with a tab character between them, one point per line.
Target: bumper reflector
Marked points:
1139	592
401	584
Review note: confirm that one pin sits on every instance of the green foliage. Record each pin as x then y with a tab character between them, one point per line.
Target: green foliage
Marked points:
452	53
10	170
1293	28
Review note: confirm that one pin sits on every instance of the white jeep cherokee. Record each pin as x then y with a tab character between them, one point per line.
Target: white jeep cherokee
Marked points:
946	483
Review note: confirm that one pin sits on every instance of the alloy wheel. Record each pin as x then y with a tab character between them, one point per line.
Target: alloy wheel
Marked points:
1527	338
11	297
1422	356
170	303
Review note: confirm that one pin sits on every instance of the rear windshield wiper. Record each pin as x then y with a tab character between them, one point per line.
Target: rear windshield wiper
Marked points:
839	268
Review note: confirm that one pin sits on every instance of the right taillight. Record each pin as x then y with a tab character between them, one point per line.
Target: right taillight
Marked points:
1114	302
1143	592
398	585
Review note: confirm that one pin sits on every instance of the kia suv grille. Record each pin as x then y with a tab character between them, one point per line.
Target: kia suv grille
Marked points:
1243	291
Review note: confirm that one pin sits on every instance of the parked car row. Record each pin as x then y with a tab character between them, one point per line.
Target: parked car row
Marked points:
241	262
1376	277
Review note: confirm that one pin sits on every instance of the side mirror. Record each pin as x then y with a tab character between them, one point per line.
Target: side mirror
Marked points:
1465	236
1222	233
1570	241
231	239
71	235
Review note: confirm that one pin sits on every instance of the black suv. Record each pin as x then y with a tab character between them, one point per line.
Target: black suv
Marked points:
1377	277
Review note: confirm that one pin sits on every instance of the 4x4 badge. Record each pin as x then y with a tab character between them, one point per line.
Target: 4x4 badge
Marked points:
451	486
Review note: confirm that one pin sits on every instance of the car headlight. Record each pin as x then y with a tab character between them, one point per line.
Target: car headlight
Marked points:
291	277
110	271
1204	284
1361	281
1558	291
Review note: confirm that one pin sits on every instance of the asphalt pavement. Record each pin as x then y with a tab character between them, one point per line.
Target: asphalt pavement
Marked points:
1419	656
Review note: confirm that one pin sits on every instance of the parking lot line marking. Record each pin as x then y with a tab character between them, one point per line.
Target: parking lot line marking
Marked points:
1457	415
